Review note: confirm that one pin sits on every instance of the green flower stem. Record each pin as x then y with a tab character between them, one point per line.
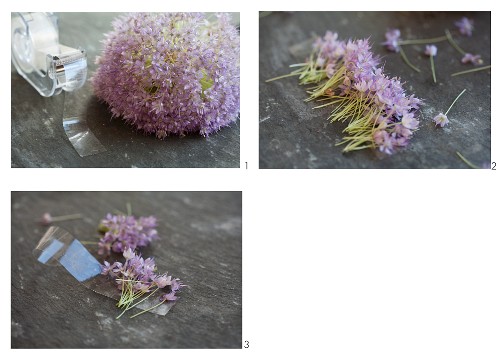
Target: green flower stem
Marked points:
67	217
461	93
433	70
299	65
332	82
88	242
467	162
422	41
129	208
453	43
473	70
147	310
264	14
142	300
405	59
283	76
328	103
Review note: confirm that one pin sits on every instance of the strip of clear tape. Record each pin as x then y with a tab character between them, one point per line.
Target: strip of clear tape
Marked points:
59	247
75	122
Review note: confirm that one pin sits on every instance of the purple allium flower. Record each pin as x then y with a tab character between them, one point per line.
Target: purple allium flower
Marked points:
168	296
125	233
430	50
409	121
392	38
474	59
128	253
384	141
162	281
171	73
465	26
106	268
46	219
441	120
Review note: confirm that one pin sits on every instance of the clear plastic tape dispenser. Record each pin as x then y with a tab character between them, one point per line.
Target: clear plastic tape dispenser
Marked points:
38	57
59	247
50	68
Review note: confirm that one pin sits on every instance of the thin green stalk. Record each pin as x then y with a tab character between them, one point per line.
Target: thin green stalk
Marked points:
264	14
299	65
327	104
423	41
142	300
405	59
467	162
282	77
129	208
432	67
67	217
147	310
332	82
461	93
473	70
453	43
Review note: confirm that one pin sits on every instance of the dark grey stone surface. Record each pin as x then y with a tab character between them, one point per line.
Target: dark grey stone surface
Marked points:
293	135
38	138
200	243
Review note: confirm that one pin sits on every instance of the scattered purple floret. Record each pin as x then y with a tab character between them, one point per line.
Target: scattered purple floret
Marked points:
473	59
171	73
46	219
465	26
430	50
122	232
441	120
392	38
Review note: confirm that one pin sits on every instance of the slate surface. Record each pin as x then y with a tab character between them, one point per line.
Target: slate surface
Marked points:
39	140
293	135
201	244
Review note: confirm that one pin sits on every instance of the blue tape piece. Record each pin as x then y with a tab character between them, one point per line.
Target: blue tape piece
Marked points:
79	262
49	252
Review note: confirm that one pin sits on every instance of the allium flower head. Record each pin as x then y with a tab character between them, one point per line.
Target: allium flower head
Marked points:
125	233
441	120
430	50
171	73
391	40
465	26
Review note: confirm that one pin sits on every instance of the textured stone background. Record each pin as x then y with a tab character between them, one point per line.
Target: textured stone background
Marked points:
39	140
200	243
293	135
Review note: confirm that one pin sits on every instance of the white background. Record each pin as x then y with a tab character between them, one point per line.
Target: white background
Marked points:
336	263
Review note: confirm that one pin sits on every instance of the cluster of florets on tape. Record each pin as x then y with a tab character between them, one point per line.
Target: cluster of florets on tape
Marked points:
171	73
137	277
121	232
142	273
380	113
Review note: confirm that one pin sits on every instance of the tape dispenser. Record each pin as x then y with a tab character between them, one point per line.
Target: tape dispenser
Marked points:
38	57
